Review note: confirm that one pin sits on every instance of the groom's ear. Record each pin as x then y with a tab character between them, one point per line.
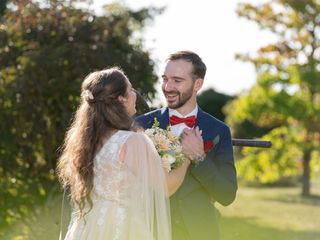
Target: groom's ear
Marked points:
198	84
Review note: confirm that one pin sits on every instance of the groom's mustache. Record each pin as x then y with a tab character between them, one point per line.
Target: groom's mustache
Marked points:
171	92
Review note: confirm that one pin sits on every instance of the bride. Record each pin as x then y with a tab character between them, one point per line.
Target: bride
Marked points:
118	187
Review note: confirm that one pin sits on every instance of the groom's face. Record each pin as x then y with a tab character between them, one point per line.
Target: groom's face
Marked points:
178	85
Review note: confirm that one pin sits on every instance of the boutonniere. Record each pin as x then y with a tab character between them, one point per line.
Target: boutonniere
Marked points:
210	144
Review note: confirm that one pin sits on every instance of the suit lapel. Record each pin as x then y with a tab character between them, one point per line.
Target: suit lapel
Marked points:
199	117
201	123
164	118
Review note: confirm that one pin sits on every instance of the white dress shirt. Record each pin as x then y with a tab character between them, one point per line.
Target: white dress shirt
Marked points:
178	128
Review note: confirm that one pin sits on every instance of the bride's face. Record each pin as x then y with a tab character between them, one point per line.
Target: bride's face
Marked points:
129	100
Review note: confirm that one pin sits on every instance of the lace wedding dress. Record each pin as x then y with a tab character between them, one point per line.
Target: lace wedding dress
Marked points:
129	196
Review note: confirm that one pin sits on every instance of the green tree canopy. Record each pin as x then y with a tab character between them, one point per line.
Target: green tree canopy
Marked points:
287	90
213	102
46	50
3	6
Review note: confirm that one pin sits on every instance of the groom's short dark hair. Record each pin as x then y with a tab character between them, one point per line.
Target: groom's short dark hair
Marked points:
199	68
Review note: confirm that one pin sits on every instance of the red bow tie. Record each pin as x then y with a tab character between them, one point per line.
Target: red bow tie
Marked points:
189	121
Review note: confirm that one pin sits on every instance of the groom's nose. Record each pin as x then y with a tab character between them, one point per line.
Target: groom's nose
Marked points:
168	86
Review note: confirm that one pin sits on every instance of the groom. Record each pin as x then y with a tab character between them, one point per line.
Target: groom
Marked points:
212	176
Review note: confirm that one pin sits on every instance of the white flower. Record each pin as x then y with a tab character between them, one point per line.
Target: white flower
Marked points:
87	95
167	145
150	132
168	157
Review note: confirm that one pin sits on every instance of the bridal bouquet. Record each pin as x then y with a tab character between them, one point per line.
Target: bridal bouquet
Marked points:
167	145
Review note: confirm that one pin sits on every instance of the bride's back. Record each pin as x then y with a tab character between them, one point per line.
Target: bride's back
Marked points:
109	171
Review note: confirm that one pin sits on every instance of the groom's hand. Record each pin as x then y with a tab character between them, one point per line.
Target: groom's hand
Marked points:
192	143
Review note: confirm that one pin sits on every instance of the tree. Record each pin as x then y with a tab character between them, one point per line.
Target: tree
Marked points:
3	6
46	49
287	90
212	102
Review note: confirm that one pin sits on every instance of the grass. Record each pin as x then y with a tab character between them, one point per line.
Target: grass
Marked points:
257	213
271	213
43	224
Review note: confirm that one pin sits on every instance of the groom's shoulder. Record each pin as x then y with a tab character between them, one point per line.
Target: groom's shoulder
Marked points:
148	118
210	120
151	115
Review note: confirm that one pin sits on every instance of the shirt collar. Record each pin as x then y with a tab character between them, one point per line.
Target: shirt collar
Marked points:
194	112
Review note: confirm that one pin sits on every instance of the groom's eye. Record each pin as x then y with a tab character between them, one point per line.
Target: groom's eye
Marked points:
178	81
164	79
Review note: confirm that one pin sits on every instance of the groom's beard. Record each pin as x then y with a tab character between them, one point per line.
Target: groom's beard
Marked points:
181	100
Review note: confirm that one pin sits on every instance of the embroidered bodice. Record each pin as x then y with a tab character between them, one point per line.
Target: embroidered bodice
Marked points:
109	175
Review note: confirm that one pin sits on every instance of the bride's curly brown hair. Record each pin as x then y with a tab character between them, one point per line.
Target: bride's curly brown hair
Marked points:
99	114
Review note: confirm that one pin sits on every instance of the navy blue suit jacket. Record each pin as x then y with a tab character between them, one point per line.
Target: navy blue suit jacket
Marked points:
192	206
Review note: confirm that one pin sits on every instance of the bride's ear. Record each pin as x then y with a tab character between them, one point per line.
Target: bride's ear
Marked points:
122	99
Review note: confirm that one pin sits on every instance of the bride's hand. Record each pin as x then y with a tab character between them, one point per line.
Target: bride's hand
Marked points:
166	165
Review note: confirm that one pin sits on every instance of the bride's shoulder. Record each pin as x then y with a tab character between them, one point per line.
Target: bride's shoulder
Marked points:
125	135
139	136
